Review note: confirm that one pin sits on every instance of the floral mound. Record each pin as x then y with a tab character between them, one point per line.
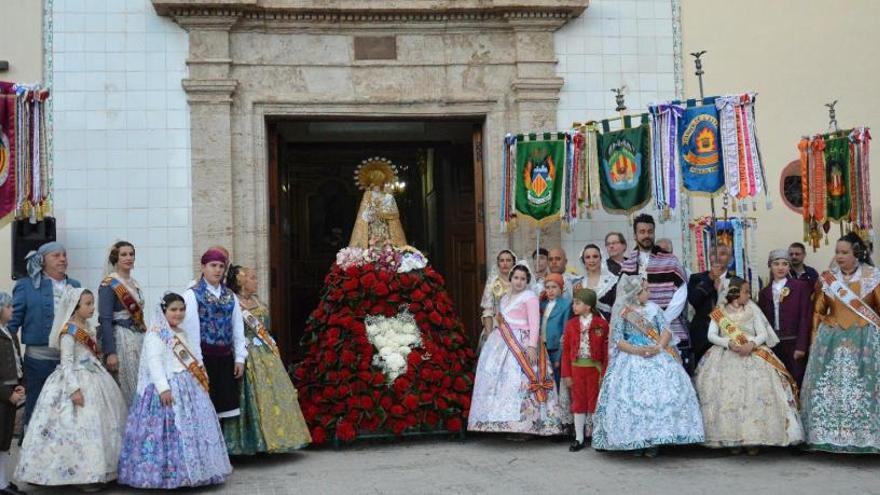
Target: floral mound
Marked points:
343	393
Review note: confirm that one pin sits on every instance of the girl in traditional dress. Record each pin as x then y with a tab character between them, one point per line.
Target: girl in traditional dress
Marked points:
497	285
747	396
598	278
75	432
646	399
173	436
514	390
121	318
270	420
841	410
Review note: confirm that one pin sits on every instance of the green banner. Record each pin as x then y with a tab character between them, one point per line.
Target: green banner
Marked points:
540	165
837	178
624	157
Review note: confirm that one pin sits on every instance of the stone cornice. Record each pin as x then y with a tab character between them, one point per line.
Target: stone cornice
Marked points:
209	90
381	11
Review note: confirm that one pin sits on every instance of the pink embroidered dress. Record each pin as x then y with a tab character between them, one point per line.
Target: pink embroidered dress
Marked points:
502	400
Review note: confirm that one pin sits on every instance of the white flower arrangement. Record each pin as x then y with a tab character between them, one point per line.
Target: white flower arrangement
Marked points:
394	338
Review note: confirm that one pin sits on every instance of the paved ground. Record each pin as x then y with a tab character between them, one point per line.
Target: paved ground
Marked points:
492	464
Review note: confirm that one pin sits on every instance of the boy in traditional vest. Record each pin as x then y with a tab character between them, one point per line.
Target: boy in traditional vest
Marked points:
584	359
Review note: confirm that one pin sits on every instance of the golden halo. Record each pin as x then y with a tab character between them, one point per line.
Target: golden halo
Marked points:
375	172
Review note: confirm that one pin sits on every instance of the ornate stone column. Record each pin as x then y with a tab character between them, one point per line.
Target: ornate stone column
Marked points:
209	91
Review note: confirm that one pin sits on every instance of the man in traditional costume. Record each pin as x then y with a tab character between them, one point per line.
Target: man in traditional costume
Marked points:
666	280
34	302
214	326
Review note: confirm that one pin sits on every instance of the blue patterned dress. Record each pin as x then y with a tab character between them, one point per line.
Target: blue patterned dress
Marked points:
645	402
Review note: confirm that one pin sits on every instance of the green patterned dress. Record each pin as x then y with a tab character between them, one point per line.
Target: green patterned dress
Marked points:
271	420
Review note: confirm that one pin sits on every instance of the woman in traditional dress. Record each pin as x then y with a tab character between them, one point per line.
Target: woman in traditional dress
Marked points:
121	318
497	285
598	278
173	436
75	432
271	420
514	390
786	304
841	410
747	396
646	399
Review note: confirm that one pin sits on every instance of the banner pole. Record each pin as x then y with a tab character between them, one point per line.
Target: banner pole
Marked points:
698	63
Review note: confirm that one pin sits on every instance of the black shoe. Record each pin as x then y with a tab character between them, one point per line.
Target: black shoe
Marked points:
11	489
576	446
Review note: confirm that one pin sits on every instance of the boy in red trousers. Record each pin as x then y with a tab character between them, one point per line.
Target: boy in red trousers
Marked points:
584	359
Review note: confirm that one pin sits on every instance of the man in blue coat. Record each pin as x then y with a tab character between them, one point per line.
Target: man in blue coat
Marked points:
34	300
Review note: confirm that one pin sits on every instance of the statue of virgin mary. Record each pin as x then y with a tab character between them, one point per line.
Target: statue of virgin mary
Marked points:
378	220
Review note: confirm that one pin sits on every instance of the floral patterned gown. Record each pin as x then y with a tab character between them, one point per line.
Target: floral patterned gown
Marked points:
645	402
271	420
841	392
501	400
67	444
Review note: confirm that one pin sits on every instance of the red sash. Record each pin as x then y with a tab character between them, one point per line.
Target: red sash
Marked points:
539	383
129	302
637	320
82	337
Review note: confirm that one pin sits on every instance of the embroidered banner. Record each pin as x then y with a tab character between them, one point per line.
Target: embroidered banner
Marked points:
837	178
702	168
623	169
540	168
7	153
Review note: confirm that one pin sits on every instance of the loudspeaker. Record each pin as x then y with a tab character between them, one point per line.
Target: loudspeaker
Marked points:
27	237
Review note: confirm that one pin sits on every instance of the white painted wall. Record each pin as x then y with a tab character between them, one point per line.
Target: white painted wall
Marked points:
121	140
614	43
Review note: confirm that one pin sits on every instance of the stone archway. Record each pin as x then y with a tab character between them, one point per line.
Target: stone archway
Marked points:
250	60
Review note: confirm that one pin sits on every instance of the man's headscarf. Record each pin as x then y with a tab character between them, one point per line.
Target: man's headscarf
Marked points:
36	259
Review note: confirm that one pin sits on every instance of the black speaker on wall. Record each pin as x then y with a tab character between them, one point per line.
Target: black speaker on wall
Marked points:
27	237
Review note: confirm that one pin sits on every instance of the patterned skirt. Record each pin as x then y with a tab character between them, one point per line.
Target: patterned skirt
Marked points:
501	400
128	350
270	420
171	447
841	393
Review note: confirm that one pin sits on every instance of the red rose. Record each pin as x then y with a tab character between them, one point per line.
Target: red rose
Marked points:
338	408
447	382
344	375
345	431
365	376
330	356
369	267
368	280
393	298
441	403
456	367
431	418
425	374
397	410
352	271
437	376
366	402
350	285
435	317
335	295
397	426
380	290
319	436
414	308
460	384
453	424
411	401
417	295
414	359
465	401
347	357
386	403
401	385
332	377
411	420
380	309
353	402
429	305
329	392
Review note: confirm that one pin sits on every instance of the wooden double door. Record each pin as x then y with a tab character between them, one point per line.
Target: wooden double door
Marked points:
314	201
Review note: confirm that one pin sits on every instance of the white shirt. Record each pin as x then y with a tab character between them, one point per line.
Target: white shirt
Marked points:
192	326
